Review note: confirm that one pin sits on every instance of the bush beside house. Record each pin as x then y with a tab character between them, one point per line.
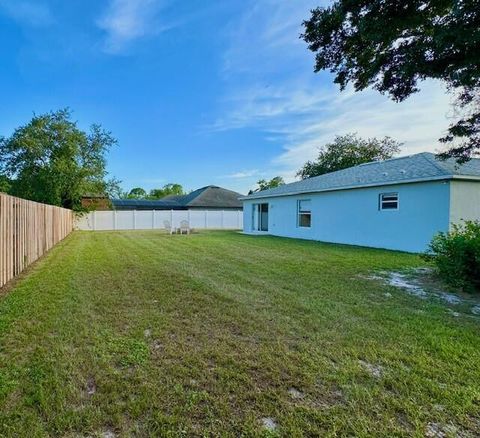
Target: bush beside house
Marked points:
456	255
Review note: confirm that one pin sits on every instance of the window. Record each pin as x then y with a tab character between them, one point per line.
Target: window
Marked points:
304	214
388	201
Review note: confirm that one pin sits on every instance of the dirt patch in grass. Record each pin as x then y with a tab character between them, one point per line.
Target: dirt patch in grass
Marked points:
91	386
374	370
269	424
438	430
296	394
423	283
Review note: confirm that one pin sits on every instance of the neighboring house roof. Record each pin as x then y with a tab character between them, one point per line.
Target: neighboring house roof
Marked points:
143	204
212	197
206	197
414	168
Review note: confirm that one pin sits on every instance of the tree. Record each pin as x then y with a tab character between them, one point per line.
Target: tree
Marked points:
167	190
263	184
156	194
137	193
51	160
4	184
347	151
393	45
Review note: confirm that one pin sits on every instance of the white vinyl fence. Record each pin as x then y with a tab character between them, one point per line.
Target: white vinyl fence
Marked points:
154	219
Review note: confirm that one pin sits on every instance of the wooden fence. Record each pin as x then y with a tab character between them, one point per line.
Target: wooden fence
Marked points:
27	231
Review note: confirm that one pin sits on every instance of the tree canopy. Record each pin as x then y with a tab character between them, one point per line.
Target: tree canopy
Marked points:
264	184
137	193
393	45
347	151
4	184
166	190
51	160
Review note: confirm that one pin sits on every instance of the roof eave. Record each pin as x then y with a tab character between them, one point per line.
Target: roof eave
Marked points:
379	184
467	177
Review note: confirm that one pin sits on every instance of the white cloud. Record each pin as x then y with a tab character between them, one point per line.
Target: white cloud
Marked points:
417	122
26	12
271	87
259	105
128	20
268	30
243	174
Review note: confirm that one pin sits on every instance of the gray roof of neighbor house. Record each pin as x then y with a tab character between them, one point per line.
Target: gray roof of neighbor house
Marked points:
144	204
414	168
206	197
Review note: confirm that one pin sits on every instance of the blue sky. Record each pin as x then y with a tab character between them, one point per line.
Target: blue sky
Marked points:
196	92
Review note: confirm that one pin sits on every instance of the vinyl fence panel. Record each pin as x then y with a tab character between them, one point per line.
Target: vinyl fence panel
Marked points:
155	219
27	231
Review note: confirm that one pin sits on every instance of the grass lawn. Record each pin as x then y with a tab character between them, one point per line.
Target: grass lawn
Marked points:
146	334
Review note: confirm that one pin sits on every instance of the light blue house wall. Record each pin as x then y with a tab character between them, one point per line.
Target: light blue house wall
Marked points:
464	201
353	216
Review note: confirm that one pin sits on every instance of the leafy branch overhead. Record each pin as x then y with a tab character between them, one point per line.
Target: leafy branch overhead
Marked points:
392	45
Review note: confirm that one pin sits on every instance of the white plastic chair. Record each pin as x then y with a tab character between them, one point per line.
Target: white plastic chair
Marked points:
168	227
184	227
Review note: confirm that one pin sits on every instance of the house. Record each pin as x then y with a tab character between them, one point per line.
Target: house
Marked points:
205	198
397	204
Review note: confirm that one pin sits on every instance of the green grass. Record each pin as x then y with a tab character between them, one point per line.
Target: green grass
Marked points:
144	334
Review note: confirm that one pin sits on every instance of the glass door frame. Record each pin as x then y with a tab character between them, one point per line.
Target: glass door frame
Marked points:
260	212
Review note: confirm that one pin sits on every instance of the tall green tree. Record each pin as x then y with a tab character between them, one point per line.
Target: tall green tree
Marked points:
392	45
137	193
4	184
347	151
51	160
167	190
264	184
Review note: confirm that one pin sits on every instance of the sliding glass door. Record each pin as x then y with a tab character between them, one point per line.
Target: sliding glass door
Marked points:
260	217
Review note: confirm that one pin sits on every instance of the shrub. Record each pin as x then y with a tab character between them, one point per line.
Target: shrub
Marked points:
456	255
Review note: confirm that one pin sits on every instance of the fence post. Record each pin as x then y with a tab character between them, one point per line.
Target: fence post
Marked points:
94	220
115	220
206	219
153	219
238	218
222	219
134	219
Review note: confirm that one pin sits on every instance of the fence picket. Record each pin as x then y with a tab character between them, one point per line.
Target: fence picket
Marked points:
27	230
155	219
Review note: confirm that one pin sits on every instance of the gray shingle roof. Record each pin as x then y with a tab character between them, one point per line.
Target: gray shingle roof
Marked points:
145	204
206	197
420	167
212	197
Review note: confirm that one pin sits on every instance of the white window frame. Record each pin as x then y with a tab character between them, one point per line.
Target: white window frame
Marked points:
381	201
304	213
